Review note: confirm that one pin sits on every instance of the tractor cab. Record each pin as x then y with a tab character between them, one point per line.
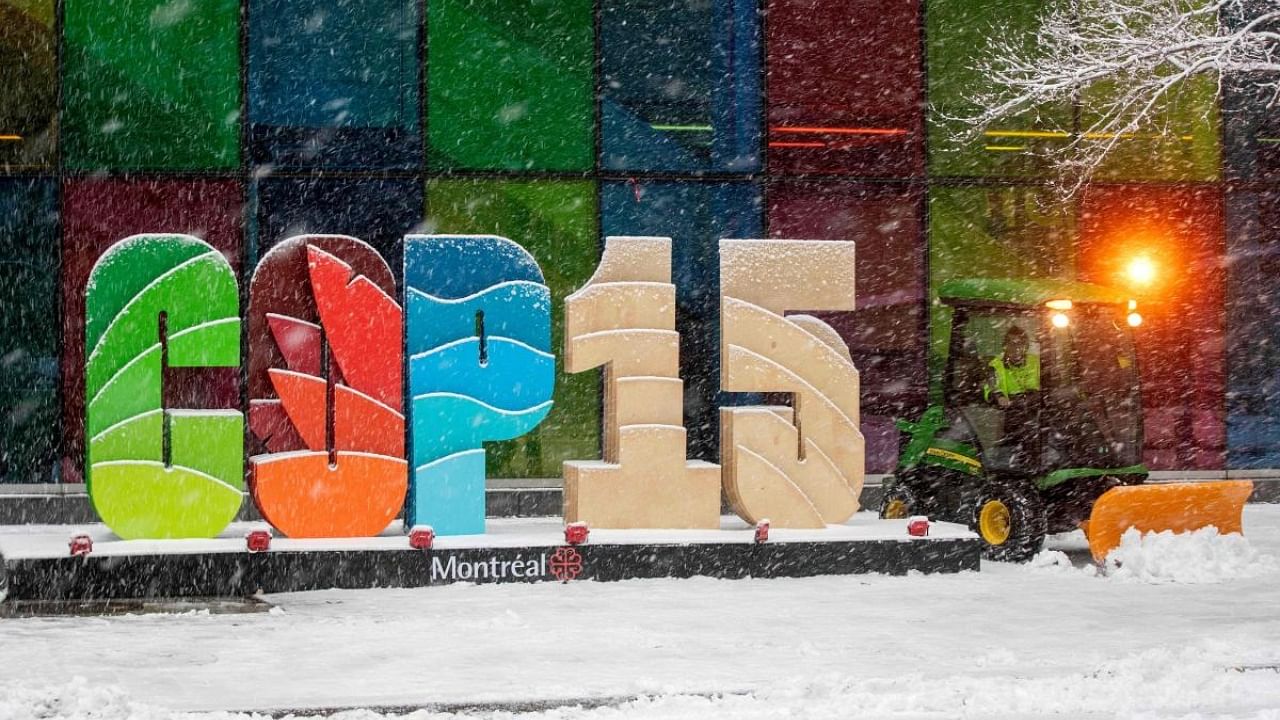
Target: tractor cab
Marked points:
1041	379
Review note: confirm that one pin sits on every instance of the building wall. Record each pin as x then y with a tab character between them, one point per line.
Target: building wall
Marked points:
555	122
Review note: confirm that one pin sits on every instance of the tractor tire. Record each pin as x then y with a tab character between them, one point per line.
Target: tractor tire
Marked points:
898	503
1010	519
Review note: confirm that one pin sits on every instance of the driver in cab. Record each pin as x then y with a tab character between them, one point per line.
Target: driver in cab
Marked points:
1015	371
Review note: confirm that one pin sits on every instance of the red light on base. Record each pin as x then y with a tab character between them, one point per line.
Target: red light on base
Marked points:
576	533
762	532
422	537
918	526
80	545
258	541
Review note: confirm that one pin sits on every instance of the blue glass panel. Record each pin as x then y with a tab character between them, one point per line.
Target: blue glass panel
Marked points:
378	211
334	83
1253	335
696	215
29	409
681	85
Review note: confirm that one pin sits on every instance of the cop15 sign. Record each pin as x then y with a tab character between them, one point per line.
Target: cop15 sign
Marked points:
366	402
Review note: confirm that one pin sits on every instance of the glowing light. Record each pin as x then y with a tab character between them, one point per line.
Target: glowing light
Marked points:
10	138
1141	270
1133	305
1059	135
682	128
1025	134
1005	148
798	144
1063	304
1134	319
1060	320
839	130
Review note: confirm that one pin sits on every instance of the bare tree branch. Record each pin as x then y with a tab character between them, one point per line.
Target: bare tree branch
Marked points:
1122	64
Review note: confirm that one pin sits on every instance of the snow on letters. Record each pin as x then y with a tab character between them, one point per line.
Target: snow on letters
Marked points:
327	347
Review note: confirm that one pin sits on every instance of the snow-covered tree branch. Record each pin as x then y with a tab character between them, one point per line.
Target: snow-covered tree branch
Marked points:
1120	65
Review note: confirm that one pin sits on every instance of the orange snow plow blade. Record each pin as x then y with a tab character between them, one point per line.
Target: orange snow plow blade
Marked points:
1180	507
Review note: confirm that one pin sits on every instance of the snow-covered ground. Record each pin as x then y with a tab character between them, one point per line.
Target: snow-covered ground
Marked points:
1186	628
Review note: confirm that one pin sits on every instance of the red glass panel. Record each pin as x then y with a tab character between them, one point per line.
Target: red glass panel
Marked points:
96	214
1181	351
844	90
886	334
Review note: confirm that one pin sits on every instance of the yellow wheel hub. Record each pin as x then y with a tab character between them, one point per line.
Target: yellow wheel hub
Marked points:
994	522
895	509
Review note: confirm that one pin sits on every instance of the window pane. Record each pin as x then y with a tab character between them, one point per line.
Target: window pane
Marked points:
334	84
1252	125
97	214
1252	135
555	221
29	428
378	211
511	84
958	33
681	85
886	334
1181	352
151	84
1178	142
845	95
28	84
696	216
1253	333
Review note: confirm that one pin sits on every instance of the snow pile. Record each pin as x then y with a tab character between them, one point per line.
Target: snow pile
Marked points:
81	700
1056	561
77	700
1202	556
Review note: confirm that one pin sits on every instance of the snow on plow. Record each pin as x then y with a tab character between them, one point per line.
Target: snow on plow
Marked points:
1180	507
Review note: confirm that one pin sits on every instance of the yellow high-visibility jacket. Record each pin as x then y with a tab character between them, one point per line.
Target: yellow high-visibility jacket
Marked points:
1013	379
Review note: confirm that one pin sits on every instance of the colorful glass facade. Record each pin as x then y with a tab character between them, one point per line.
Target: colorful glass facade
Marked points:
555	122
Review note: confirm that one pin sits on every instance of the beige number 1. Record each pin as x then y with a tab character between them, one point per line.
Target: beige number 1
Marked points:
623	320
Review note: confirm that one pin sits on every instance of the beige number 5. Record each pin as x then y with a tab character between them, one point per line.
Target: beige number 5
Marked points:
799	466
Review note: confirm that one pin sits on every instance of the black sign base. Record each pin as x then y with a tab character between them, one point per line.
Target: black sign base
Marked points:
114	576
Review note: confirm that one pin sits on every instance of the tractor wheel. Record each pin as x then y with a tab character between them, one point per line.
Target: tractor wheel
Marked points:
1010	519
898	503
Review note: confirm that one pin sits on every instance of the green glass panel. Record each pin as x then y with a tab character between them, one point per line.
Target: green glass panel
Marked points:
510	84
28	84
1181	141
151	84
555	221
958	32
992	232
29	410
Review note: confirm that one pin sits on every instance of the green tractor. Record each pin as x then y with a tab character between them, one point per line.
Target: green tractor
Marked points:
1040	416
